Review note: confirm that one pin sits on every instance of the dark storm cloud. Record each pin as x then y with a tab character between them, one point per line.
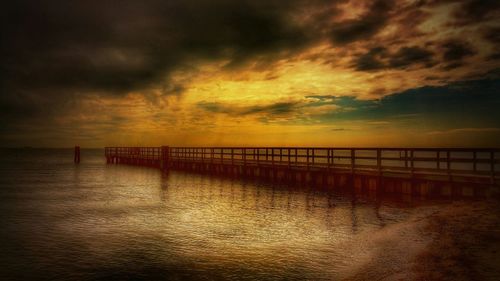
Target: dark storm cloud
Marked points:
457	50
494	56
468	11
474	11
280	108
56	54
372	60
365	26
454	52
114	47
379	58
492	34
407	56
118	46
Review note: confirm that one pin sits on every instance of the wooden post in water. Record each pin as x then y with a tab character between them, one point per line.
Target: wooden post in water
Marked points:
76	158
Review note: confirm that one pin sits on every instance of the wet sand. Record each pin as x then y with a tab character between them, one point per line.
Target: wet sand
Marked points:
465	243
393	250
448	241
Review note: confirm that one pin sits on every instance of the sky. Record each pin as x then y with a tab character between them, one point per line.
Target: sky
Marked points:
357	73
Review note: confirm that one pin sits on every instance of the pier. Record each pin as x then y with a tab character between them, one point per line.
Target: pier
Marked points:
419	171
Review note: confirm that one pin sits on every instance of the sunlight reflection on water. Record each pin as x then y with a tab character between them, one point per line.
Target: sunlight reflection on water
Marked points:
98	221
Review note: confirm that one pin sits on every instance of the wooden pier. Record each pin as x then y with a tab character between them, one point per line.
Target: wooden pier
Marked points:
406	170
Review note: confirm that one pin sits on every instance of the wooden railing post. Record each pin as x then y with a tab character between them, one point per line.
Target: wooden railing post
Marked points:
492	166
438	165
448	164
474	159
289	158
353	160
379	161
406	158
164	158
411	162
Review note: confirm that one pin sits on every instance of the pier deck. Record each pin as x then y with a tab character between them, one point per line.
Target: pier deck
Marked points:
328	166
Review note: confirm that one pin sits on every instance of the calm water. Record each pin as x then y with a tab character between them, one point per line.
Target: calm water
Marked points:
108	222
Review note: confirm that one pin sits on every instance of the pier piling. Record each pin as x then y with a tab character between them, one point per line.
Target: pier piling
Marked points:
76	158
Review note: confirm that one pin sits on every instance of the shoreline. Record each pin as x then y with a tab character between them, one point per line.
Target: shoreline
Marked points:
447	241
465	242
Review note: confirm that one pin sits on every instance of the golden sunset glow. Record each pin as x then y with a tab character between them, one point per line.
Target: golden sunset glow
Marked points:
326	73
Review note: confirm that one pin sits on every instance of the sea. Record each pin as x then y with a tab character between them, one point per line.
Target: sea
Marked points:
98	221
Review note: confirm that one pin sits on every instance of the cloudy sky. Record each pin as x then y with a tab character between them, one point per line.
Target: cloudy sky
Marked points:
250	72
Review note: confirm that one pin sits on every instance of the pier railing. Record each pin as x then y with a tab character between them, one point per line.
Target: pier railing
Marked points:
153	153
439	161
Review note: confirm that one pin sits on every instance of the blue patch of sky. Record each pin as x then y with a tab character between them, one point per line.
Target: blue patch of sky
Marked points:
456	105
